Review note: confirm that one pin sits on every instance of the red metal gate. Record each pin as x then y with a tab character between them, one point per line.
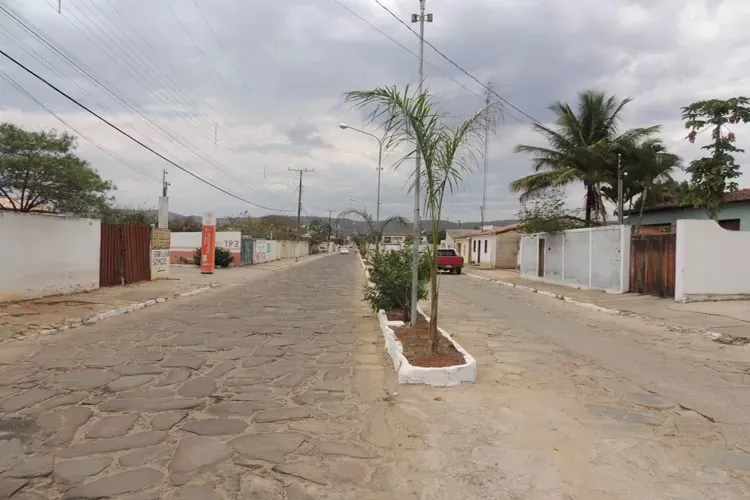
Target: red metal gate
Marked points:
124	254
652	264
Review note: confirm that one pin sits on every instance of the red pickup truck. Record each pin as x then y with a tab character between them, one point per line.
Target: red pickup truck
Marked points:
449	260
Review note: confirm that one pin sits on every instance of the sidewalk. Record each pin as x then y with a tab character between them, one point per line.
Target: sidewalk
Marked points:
731	318
49	314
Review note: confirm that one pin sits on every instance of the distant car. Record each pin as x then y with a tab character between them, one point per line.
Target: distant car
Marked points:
344	251
449	260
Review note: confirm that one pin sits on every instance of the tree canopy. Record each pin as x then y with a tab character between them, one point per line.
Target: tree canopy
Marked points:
581	148
713	176
40	172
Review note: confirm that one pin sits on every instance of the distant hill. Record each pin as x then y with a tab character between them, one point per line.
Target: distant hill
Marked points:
354	226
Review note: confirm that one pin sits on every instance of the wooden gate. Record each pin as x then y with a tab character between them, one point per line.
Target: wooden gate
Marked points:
124	254
652	264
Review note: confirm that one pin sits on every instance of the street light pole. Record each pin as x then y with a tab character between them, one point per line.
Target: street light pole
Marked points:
344	126
421	18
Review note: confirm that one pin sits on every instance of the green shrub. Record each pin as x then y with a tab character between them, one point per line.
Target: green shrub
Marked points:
390	274
222	257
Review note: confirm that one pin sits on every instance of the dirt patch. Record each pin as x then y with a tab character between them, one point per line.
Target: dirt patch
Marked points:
395	315
415	341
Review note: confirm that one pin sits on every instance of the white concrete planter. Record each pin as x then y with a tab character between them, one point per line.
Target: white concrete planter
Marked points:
409	374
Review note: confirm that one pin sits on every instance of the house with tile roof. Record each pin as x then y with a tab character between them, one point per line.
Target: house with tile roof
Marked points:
493	248
735	214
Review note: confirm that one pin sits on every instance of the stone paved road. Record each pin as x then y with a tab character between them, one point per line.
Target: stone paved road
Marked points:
271	390
571	403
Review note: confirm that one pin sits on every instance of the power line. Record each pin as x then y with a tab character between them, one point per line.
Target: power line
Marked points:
5	76
139	77
85	108
459	67
407	49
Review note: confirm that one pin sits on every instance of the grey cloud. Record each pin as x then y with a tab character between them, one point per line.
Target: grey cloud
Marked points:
278	71
304	134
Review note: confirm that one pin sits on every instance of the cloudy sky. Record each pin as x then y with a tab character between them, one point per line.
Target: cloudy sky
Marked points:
267	78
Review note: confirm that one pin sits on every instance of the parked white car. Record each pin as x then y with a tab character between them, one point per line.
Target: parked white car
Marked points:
344	250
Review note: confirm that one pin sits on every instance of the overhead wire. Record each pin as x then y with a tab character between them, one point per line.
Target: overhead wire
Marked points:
118	129
459	67
407	49
81	67
144	75
5	76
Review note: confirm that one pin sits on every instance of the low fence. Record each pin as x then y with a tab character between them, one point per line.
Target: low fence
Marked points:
596	258
711	262
44	255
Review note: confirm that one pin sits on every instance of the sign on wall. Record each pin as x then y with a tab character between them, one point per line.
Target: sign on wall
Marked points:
159	264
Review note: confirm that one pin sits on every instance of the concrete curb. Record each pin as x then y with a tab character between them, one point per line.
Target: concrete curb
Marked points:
409	374
713	336
70	324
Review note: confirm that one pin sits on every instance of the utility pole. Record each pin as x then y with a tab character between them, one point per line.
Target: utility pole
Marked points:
486	149
164	183
299	205
163	215
620	204
420	18
330	228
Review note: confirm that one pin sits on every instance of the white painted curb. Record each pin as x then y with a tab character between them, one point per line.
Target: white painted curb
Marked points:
439	377
72	323
407	373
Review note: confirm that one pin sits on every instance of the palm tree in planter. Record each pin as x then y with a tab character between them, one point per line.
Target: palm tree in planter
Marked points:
579	149
411	118
375	229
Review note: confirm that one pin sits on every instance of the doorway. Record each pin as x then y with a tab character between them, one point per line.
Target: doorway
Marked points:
540	266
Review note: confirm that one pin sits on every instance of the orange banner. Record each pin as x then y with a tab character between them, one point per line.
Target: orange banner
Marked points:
208	249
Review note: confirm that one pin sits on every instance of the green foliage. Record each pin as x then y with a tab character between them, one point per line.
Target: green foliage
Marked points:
580	149
713	176
390	274
412	118
547	213
186	225
375	229
319	230
269	227
120	215
38	171
222	257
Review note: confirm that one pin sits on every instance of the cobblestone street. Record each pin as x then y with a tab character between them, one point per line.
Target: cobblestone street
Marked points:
274	389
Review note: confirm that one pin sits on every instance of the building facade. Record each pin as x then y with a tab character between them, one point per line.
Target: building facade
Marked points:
735	214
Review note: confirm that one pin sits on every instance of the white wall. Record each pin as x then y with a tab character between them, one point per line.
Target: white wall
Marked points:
187	243
485	258
292	249
711	263
229	240
47	255
597	258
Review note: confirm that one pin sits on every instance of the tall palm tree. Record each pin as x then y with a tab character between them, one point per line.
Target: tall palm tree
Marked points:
411	118
579	149
651	165
375	229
